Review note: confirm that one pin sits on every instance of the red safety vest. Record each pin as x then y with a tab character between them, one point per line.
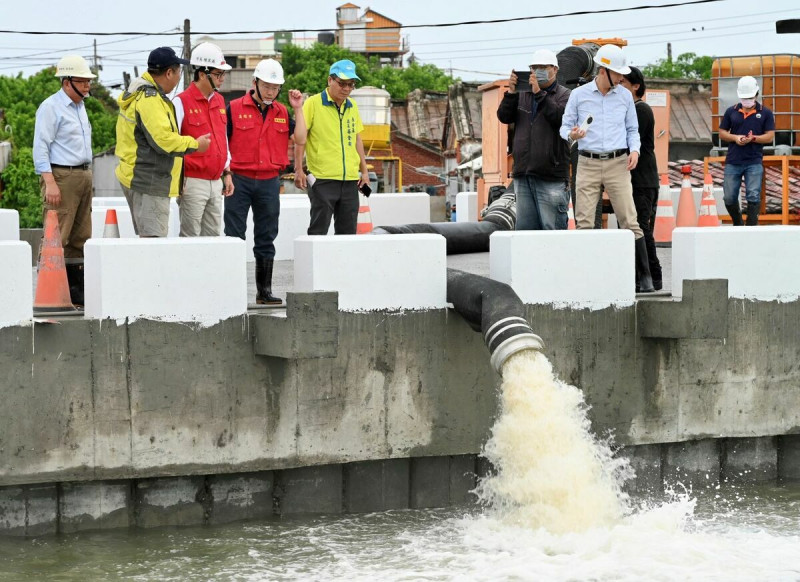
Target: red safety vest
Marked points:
202	116
258	149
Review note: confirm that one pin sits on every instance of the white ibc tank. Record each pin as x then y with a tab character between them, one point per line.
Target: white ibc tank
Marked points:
374	105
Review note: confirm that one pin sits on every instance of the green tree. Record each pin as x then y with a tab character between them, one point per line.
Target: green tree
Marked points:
686	66
20	98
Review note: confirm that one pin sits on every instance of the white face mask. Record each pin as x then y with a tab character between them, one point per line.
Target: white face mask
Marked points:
542	76
748	103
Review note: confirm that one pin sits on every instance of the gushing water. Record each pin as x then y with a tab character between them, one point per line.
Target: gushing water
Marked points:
551	471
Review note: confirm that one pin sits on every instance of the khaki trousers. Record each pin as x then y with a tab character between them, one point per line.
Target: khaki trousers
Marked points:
613	174
75	210
200	206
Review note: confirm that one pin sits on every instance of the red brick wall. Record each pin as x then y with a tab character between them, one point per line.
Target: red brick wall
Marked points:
414	156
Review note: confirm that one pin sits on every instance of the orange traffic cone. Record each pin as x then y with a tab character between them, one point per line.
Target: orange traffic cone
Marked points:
687	211
665	215
708	205
570	216
364	225
111	229
52	288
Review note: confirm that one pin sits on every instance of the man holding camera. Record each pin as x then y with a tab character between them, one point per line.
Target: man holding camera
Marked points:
335	154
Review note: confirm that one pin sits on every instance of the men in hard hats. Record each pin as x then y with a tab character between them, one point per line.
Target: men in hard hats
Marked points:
601	117
200	110
644	177
335	153
259	128
541	157
747	126
149	145
62	156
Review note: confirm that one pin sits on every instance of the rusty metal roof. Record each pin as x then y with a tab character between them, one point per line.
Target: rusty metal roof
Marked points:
690	118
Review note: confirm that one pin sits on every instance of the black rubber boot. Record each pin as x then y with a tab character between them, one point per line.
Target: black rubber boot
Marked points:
752	215
264	294
736	214
644	282
75	281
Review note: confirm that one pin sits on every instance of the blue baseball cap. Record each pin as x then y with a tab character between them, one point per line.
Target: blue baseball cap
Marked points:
344	70
164	57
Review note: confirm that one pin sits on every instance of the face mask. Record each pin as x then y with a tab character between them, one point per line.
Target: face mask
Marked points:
748	103
542	76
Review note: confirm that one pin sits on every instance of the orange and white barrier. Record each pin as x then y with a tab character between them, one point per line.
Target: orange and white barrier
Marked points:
708	206
364	225
665	215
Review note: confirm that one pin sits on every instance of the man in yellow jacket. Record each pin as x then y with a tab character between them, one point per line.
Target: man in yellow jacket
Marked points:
149	147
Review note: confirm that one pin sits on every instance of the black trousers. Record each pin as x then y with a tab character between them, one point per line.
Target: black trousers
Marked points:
645	200
335	199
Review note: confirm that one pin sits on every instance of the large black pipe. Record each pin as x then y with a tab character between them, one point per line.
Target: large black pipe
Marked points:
494	309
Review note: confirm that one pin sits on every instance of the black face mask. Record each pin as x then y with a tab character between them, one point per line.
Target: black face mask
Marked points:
74	88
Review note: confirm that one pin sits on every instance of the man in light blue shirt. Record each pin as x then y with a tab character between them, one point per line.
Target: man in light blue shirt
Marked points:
601	117
62	156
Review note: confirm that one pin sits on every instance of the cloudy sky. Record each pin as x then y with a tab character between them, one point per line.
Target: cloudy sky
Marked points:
473	52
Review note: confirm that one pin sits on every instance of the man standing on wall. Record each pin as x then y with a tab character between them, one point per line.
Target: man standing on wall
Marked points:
608	149
259	128
541	157
335	154
62	156
748	125
200	110
149	147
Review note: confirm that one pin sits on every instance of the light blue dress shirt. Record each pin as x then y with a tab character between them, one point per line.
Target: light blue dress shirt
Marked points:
614	125
63	135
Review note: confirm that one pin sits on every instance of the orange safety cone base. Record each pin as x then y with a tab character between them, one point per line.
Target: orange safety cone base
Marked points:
52	288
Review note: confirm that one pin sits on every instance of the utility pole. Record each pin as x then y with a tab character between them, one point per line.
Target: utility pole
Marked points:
669	52
95	68
187	51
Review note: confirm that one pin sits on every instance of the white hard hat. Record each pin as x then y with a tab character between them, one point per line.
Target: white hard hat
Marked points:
544	57
269	71
611	57
747	87
209	55
74	66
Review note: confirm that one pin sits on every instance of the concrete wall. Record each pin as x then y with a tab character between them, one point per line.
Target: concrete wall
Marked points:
9	224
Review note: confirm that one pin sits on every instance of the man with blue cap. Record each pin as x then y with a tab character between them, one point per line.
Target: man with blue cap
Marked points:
334	152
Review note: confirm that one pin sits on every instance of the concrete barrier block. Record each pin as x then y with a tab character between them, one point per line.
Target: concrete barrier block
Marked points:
170	501
402	208
692	462
292	224
374	272
124	220
586	268
94	505
9	224
467	207
16	292
240	497
376	485
30	510
309	490
750	460
789	458
430	482
753	260
199	279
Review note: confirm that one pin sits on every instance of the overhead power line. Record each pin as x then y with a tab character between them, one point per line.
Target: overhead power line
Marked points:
405	26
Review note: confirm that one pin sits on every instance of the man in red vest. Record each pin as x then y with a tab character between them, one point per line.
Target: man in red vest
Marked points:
259	128
200	110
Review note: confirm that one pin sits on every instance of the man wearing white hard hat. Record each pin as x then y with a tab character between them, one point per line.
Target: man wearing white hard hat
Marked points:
259	128
200	110
541	157
747	126
600	119
62	156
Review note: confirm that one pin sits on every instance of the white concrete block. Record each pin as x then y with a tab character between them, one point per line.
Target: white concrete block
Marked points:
756	261
578	268
124	221
200	279
16	291
407	271
293	223
467	207
112	201
9	224
403	208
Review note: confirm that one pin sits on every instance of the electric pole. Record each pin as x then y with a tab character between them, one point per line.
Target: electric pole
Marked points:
669	52
95	67
187	51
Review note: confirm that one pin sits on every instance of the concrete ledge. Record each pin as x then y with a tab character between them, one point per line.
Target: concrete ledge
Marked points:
442	481
240	497
30	510
16	293
750	460
374	272
170	501
376	485
9	224
309	490
789	458
645	460
753	260
189	279
695	462
467	207
94	505
390	209
701	314
587	268
308	329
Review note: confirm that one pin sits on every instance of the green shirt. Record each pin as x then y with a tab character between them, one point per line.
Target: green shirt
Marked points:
331	144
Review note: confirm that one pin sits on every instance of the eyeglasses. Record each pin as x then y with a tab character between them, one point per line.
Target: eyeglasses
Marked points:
345	84
82	81
218	76
268	86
